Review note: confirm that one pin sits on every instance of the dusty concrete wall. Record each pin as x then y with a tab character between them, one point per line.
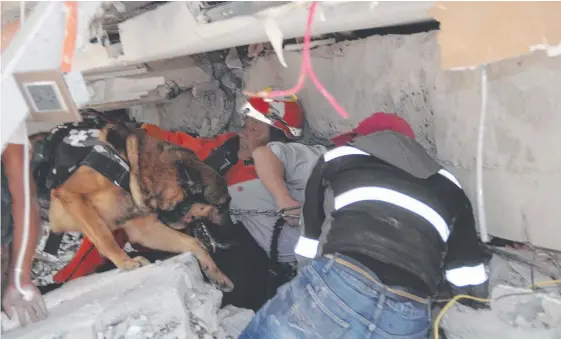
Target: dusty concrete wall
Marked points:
401	74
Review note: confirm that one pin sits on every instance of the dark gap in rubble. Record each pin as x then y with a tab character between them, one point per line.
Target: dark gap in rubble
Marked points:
406	29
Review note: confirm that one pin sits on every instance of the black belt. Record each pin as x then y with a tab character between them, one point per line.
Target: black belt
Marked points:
279	273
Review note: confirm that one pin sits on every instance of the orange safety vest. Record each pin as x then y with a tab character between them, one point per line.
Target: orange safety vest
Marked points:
88	259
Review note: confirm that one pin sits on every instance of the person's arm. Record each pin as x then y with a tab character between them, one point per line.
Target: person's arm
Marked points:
13	163
271	172
30	306
280	166
464	262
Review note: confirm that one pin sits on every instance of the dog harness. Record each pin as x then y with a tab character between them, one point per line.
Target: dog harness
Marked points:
72	145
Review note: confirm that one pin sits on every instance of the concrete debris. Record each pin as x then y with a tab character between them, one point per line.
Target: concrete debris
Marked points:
202	89
517	274
209	107
515	313
233	60
165	300
46	265
122	89
232	320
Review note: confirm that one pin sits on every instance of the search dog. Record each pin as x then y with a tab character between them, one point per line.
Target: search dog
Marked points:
166	188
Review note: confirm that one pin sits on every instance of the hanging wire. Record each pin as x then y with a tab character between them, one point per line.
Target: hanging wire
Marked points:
305	69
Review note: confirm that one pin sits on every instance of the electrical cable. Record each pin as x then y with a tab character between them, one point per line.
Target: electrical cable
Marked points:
549	283
18	270
27	295
448	305
479	159
305	69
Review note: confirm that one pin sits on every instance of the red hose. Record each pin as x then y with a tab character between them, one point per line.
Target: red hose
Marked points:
306	68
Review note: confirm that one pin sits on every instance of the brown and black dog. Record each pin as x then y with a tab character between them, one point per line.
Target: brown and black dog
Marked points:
164	179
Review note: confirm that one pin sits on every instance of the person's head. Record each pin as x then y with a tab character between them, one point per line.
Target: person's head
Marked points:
267	120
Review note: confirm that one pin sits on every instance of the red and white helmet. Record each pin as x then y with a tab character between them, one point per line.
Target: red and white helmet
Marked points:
285	114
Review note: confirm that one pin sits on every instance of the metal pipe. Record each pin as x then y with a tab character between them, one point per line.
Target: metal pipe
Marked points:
479	159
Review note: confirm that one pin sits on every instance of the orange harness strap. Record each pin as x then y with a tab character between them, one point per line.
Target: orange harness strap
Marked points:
86	261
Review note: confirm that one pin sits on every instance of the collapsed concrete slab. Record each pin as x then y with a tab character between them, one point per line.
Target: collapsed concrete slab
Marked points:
168	299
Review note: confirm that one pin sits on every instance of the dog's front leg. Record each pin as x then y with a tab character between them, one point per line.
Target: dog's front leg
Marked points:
95	229
150	232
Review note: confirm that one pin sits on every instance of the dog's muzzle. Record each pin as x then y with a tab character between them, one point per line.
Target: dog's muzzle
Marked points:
200	229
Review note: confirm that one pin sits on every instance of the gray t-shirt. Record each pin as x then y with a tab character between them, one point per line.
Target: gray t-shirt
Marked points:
298	161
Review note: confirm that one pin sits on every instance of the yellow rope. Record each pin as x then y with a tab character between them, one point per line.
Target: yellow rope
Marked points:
483	300
547	283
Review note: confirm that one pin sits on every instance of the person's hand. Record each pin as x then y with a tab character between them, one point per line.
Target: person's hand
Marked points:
14	302
292	216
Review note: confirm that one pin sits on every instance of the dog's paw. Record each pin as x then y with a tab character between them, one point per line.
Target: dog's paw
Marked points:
131	264
220	281
216	277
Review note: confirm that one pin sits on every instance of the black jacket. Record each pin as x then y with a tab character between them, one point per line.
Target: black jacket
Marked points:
397	211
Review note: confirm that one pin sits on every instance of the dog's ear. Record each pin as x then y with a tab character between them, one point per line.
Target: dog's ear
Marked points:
133	152
133	155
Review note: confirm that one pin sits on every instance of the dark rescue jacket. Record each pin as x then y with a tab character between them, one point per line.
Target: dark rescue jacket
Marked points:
396	210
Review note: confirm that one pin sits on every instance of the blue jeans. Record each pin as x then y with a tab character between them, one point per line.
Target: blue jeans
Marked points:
337	297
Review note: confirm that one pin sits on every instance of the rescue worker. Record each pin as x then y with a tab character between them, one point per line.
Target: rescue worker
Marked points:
13	209
386	227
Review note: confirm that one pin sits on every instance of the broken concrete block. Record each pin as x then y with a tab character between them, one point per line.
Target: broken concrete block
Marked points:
201	89
233	321
169	300
515	313
552	310
233	60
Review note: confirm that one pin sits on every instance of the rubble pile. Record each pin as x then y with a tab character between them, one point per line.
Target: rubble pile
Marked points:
515	310
168	299
515	313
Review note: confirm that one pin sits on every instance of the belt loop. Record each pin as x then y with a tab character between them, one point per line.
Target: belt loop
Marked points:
332	260
429	309
378	310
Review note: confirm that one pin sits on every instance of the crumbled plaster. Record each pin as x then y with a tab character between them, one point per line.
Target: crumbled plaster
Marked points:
402	74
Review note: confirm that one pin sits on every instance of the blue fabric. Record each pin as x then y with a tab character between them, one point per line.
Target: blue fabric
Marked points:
330	300
7	220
